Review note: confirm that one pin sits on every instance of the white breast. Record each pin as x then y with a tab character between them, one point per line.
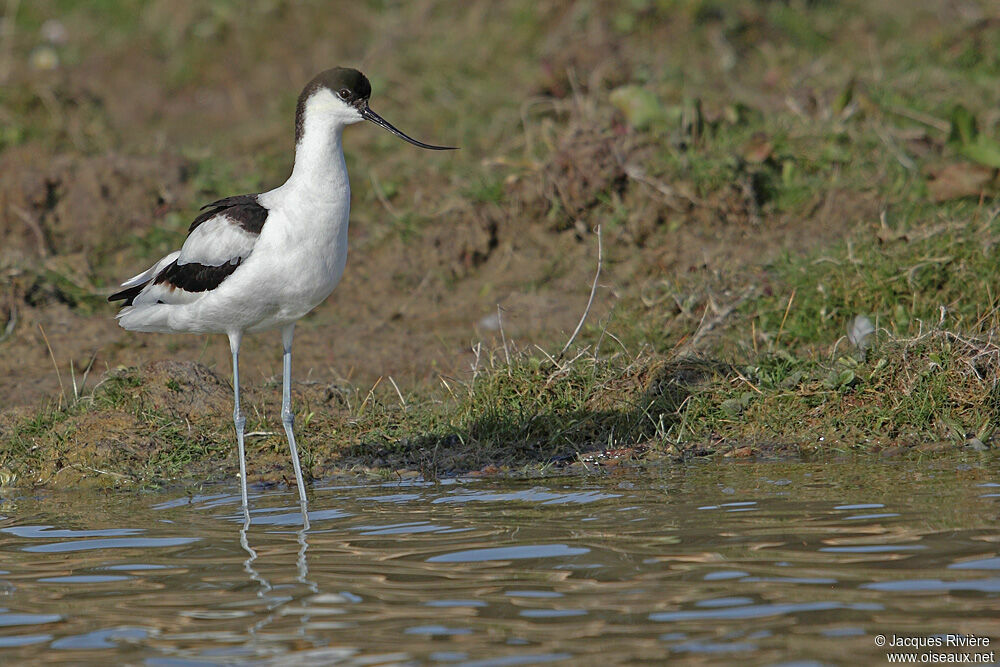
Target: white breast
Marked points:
303	247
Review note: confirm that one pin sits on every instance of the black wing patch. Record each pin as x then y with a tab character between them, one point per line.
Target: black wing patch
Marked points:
194	277
191	277
244	210
127	295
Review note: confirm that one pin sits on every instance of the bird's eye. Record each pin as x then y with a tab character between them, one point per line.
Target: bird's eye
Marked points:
344	93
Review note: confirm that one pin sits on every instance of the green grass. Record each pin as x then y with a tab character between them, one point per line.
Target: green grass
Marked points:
935	388
905	275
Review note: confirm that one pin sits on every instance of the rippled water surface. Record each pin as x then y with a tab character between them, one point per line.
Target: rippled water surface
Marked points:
758	563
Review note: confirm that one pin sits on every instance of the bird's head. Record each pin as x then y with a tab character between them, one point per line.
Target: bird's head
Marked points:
342	93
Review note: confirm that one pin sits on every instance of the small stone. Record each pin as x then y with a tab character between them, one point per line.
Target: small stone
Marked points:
859	331
976	444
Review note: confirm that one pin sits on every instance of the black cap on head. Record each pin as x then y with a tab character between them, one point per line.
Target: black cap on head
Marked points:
353	88
348	84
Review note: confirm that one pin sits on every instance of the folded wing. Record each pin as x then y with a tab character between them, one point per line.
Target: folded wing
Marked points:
219	240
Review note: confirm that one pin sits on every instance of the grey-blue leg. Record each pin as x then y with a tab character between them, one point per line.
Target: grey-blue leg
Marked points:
288	417
238	419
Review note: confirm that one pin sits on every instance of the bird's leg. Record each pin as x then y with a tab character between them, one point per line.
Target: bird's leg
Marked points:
238	419
288	417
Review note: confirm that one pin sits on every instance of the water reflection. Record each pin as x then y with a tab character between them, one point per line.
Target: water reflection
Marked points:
705	563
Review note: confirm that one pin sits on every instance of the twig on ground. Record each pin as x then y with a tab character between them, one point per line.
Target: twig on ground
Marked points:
593	291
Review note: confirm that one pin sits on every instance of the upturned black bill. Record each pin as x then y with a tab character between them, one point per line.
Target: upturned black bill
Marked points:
368	114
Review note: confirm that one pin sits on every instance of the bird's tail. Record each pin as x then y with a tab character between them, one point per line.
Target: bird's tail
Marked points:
134	285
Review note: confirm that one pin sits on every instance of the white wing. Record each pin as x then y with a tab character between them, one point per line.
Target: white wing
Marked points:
217	241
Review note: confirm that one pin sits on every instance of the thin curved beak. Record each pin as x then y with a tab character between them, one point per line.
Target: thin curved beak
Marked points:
370	115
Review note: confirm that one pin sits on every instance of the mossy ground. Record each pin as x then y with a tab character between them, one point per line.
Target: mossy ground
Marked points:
763	174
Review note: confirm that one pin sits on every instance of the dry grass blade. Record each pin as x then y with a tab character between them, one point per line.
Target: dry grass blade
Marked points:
781	328
395	386
86	371
370	396
553	361
62	389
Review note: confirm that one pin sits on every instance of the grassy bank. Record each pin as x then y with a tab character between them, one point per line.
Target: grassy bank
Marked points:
796	204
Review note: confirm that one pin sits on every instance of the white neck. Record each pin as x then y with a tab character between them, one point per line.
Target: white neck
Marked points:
319	166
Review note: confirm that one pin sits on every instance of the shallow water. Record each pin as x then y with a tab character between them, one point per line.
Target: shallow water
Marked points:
757	563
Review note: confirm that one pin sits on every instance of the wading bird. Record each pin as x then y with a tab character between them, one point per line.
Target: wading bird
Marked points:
262	261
